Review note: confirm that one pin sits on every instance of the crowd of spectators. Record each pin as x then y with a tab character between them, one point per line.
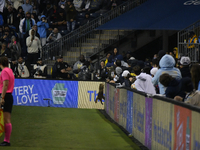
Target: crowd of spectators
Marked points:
164	74
27	25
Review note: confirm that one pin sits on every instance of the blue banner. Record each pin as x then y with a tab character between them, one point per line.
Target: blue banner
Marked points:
129	122
31	92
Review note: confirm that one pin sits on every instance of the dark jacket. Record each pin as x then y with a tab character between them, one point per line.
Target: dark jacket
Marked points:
70	12
179	87
185	72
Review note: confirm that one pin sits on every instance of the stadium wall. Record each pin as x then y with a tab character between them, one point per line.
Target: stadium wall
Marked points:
157	122
62	93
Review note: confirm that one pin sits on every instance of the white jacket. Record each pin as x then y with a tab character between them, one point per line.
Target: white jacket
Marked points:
143	83
33	46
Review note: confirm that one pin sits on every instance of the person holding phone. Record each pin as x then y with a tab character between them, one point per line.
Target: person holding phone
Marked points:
33	46
42	29
6	99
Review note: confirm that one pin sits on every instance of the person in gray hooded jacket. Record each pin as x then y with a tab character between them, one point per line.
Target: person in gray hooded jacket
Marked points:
15	48
167	64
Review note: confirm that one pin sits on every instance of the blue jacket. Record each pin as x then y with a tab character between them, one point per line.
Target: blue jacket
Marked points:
42	27
167	64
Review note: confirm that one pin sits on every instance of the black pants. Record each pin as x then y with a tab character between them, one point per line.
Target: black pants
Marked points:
32	58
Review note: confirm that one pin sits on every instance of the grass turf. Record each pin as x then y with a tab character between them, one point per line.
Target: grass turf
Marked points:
44	128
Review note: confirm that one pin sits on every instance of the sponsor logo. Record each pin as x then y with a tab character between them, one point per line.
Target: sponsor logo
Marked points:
59	93
192	2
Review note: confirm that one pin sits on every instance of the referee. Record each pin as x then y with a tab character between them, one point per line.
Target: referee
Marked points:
6	100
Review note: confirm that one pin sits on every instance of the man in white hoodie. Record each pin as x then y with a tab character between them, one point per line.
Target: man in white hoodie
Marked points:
33	45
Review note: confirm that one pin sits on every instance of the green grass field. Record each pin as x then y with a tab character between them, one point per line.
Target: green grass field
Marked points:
45	128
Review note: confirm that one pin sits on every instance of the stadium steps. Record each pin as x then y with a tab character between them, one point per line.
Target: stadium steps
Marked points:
92	45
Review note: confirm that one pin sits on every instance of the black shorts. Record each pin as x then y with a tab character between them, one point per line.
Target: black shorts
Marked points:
7	107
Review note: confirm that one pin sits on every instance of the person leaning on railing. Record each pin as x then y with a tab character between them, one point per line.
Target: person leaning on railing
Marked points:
192	39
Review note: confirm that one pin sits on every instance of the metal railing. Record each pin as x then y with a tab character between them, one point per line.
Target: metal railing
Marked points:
189	49
77	41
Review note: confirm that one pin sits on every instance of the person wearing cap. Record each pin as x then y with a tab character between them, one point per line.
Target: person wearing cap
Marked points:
184	66
27	7
42	29
24	26
167	65
39	69
61	69
192	39
22	70
79	64
125	81
70	15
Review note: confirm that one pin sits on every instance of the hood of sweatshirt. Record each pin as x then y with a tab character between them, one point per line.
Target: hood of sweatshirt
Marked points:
43	16
167	61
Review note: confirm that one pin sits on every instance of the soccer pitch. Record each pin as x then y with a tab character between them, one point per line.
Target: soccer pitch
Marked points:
48	128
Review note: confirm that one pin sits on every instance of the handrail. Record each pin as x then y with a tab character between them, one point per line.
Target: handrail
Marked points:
65	43
183	37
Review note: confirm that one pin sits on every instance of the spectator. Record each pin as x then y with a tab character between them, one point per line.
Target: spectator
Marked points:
17	4
176	87
22	70
55	35
20	16
61	20
61	4
143	83
1	34
35	17
110	62
15	48
107	57
5	51
78	4
27	7
155	64
95	6
7	36
112	4
47	11
123	63
10	15
126	76
61	69
42	29
161	53
77	66
115	54
195	75
86	5
40	69
102	73
33	44
184	66
86	20
175	51
167	64
84	73
128	56
25	25
53	16
70	16
192	39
